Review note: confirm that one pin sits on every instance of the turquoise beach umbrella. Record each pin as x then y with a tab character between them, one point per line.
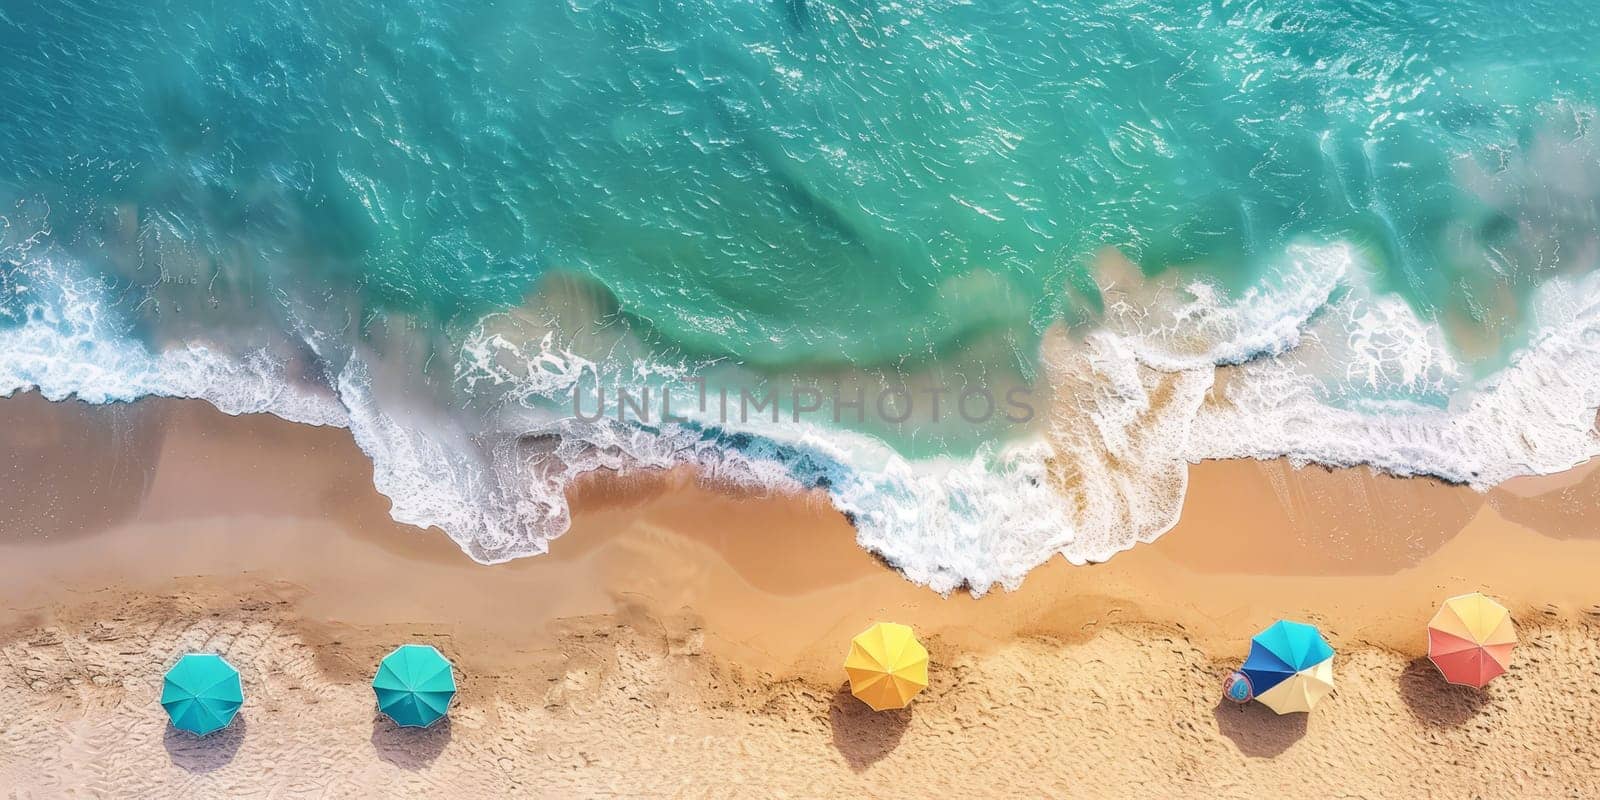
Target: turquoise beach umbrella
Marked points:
202	693
414	685
1290	667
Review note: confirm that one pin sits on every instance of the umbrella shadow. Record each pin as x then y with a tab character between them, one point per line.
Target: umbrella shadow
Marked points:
864	736
201	754
1258	731
408	748
1435	701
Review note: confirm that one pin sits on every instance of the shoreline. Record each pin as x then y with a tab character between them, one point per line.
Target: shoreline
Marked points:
163	514
1252	533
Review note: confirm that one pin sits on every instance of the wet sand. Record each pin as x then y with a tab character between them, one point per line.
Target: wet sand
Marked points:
685	640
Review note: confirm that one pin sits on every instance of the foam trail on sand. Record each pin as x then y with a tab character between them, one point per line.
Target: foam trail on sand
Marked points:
1536	416
1290	371
65	342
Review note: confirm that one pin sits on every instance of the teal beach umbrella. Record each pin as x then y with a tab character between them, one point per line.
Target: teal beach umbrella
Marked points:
202	693
414	685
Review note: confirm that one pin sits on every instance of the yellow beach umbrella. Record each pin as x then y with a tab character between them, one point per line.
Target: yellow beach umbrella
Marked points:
1470	639
887	666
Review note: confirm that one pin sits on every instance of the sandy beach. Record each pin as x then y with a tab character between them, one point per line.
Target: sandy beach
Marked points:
683	640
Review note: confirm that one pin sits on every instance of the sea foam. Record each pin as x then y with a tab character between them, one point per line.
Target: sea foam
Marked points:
1316	367
1174	375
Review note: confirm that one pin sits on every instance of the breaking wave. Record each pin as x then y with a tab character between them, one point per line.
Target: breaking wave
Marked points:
1174	374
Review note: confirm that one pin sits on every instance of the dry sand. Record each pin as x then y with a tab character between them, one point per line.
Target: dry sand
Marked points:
684	641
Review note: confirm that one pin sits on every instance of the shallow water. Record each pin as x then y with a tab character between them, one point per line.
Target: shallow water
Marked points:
433	222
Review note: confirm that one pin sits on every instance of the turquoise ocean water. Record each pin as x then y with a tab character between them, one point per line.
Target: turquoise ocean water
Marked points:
1346	232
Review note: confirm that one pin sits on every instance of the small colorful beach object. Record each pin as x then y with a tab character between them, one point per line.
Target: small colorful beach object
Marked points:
415	685
1470	640
887	666
202	693
1237	688
1290	667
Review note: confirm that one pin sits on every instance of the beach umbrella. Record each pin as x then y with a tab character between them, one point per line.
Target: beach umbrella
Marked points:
1470	639
1290	667
202	693
414	685
887	666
